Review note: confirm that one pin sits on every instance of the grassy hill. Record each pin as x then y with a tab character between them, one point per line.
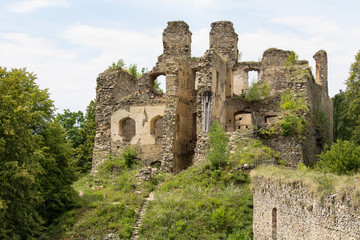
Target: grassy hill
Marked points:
198	203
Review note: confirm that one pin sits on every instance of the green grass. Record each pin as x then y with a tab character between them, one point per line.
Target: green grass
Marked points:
109	204
249	150
200	203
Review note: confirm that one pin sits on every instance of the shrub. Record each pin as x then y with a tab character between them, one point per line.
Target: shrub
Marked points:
293	115
119	64
258	92
218	153
250	151
129	155
342	158
292	59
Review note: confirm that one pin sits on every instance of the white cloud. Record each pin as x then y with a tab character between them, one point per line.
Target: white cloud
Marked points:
71	77
114	44
57	69
200	42
25	6
306	36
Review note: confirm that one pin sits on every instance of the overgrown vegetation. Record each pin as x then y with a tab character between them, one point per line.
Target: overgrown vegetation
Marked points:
342	158
293	110
201	203
36	160
110	203
250	151
133	71
258	92
218	153
292	60
319	184
80	130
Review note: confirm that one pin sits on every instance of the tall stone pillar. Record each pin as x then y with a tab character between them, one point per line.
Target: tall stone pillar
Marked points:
224	40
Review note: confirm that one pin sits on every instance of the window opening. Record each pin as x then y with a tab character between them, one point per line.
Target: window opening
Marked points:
160	84
253	77
127	128
242	120
206	105
274	224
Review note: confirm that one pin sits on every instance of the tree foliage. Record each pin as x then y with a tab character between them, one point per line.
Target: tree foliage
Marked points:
80	130
218	153
342	158
258	92
293	109
35	164
353	97
343	125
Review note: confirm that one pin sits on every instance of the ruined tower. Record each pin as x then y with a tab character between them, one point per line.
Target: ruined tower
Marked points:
171	128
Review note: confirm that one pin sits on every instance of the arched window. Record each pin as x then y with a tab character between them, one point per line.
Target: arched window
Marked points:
274	224
157	126
127	128
158	82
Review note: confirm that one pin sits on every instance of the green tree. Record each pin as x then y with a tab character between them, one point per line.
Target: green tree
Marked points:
218	153
72	122
257	92
87	132
353	97
57	172
28	158
343	125
342	158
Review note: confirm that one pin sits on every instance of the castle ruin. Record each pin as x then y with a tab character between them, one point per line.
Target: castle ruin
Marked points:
171	128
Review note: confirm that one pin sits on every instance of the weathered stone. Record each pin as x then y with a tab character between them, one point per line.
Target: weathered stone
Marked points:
290	211
172	128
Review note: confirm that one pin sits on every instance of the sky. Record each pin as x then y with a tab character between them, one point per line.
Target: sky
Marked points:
67	43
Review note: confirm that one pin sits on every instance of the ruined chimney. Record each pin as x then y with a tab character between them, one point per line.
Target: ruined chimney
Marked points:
223	40
321	69
177	40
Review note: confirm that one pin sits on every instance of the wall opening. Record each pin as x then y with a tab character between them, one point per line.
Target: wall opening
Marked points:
157	127
127	128
317	78
274	223
271	119
160	83
253	76
206	105
242	120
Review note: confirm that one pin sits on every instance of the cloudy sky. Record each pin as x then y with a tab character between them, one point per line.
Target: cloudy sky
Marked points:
67	43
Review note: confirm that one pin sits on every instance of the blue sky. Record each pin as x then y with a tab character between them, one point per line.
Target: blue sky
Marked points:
67	43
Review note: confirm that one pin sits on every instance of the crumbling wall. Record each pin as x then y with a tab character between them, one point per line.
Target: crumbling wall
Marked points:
288	210
172	128
112	85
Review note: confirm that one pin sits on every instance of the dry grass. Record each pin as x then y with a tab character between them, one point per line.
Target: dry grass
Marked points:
318	184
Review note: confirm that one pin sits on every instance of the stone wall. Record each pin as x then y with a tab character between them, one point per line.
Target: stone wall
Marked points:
202	90
288	209
112	85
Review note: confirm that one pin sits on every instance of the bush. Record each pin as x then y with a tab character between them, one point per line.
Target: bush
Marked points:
257	92
129	155
218	154
293	115
250	151
292	59
342	158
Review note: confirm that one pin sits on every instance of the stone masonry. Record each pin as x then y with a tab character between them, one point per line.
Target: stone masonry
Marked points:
171	128
289	210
